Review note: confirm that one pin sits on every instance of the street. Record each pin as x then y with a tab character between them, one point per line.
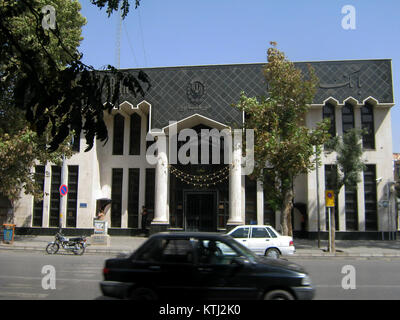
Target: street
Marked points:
77	277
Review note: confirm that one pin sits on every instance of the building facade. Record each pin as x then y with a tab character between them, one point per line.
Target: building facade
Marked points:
217	196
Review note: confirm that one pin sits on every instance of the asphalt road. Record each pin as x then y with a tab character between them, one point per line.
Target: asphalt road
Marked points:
77	277
374	278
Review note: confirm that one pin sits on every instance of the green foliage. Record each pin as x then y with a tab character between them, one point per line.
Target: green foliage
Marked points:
283	142
349	160
43	71
284	145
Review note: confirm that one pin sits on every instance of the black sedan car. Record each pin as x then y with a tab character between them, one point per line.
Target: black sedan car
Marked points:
202	266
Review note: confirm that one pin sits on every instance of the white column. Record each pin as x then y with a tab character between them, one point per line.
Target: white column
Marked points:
63	199
260	203
235	187
161	184
46	196
124	204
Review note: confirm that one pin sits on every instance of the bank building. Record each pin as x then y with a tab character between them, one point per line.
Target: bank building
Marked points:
217	197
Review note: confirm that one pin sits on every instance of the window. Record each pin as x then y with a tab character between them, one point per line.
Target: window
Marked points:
72	202
76	143
215	252
55	196
347	117
367	123
133	198
330	178
260	233
272	233
150	190
328	112
251	201
116	197
118	140
168	250
135	133
351	208
370	201
240	233
37	215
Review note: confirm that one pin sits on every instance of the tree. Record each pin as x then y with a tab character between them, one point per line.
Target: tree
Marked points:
21	147
284	146
47	94
349	165
71	96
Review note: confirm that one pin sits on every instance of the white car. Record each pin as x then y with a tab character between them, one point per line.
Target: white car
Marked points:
263	240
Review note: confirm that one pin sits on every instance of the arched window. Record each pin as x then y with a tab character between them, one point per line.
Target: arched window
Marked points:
135	130
328	112
347	117
118	139
367	123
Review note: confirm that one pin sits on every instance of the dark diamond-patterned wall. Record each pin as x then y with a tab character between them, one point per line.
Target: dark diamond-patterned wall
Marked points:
178	92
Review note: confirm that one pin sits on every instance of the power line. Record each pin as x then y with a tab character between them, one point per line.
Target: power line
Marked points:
118	40
141	36
130	45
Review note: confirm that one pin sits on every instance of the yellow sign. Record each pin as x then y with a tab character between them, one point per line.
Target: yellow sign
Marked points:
329	198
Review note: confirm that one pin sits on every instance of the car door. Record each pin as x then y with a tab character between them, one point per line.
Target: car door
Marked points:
260	240
167	268
218	277
241	234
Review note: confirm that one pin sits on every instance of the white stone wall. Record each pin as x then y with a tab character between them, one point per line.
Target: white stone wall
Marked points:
95	168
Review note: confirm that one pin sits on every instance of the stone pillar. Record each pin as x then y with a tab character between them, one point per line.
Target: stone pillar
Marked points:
160	221
235	188
260	202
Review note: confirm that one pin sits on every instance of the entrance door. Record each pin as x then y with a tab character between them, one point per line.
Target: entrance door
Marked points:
200	211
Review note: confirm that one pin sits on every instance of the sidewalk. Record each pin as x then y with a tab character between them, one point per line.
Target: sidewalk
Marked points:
304	248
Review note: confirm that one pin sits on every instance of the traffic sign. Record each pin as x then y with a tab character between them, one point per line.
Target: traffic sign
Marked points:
329	199
63	190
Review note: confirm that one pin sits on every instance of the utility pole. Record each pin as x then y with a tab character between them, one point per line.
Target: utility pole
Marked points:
118	40
318	207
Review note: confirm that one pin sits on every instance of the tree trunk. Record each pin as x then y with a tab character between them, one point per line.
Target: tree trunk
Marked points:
333	229
286	214
10	213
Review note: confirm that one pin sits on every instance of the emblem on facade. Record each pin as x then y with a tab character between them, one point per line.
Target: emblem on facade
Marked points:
195	91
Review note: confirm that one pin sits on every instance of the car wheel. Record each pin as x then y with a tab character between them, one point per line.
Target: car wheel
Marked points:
143	294
272	253
278	295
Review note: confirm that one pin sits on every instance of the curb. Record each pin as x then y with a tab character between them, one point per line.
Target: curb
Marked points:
87	251
110	251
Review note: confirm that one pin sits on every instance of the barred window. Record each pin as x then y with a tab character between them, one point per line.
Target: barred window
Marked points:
367	123
347	117
118	139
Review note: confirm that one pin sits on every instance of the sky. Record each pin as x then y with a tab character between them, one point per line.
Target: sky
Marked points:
162	33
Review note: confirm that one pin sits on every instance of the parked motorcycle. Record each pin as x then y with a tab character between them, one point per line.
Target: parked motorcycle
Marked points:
76	245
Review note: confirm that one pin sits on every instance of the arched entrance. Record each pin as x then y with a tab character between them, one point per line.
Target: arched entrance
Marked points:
199	193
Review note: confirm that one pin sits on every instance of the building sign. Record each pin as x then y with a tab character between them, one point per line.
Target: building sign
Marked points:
195	92
100	227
